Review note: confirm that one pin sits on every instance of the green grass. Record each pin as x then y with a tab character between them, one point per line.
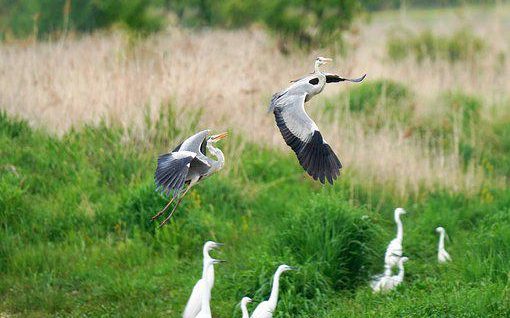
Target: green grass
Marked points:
76	240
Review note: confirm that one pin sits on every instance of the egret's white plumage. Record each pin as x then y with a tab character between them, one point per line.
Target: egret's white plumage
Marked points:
266	308
205	308
442	255
244	309
195	300
185	166
388	282
394	250
297	128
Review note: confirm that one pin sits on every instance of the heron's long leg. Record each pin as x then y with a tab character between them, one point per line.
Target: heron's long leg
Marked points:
175	207
162	211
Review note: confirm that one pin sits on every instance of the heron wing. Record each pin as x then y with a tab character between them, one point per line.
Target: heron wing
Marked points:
172	170
302	134
333	78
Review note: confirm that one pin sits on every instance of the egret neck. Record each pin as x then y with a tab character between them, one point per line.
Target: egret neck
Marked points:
273	299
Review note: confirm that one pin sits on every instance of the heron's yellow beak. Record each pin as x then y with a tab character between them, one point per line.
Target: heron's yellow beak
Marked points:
327	59
219	137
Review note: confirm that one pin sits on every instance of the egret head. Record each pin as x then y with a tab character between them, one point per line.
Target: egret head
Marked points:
218	137
322	60
400	211
210	245
440	229
404	259
246	300
284	268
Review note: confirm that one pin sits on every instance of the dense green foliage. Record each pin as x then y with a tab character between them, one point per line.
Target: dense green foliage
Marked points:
77	241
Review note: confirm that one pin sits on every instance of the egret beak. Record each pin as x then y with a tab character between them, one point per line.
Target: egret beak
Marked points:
293	268
217	261
218	244
219	137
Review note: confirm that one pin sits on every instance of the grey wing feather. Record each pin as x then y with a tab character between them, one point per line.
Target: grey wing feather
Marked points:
171	171
194	142
302	134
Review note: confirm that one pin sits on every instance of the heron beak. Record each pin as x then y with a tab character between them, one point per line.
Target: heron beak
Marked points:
327	59
219	137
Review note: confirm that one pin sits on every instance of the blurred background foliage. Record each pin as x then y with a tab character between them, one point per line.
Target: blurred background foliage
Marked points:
304	22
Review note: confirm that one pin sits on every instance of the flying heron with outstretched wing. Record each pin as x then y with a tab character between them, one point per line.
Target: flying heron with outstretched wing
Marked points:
185	166
297	128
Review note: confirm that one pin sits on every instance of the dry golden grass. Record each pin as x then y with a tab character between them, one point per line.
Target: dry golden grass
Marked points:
232	75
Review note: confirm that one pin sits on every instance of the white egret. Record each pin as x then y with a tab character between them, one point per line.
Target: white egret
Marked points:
388	282
442	255
195	300
244	309
394	250
205	308
187	164
297	128
266	308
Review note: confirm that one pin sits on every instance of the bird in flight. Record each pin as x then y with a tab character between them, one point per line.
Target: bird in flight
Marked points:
185	166
297	128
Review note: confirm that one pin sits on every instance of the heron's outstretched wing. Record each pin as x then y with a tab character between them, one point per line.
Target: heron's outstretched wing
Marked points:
172	171
333	78
302	134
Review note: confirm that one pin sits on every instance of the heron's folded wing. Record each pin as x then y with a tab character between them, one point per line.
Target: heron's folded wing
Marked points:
172	170
333	78
302	134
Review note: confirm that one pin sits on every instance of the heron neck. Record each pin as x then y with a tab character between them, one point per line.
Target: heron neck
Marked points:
220	158
441	241
273	299
400	228
208	271
244	310
317	70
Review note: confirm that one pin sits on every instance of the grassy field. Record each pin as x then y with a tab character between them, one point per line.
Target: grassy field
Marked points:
84	119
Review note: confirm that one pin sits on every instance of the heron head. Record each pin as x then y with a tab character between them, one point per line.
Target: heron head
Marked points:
218	137
322	60
284	268
210	245
400	211
246	300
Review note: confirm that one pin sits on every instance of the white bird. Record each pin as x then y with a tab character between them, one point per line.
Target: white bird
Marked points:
266	308
394	250
205	308
187	165
244	309
195	300
442	255
299	131
388	282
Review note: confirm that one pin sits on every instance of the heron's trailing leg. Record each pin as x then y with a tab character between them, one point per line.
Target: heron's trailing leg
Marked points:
162	211
175	207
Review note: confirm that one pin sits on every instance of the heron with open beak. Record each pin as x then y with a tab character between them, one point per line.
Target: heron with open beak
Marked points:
185	166
297	128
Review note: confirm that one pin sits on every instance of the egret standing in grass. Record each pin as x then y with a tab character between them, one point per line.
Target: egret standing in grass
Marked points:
442	255
244	302
394	250
205	308
266	308
187	165
388	282
195	300
299	131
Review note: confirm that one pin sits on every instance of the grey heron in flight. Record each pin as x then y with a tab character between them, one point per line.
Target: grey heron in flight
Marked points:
185	166
442	255
299	131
